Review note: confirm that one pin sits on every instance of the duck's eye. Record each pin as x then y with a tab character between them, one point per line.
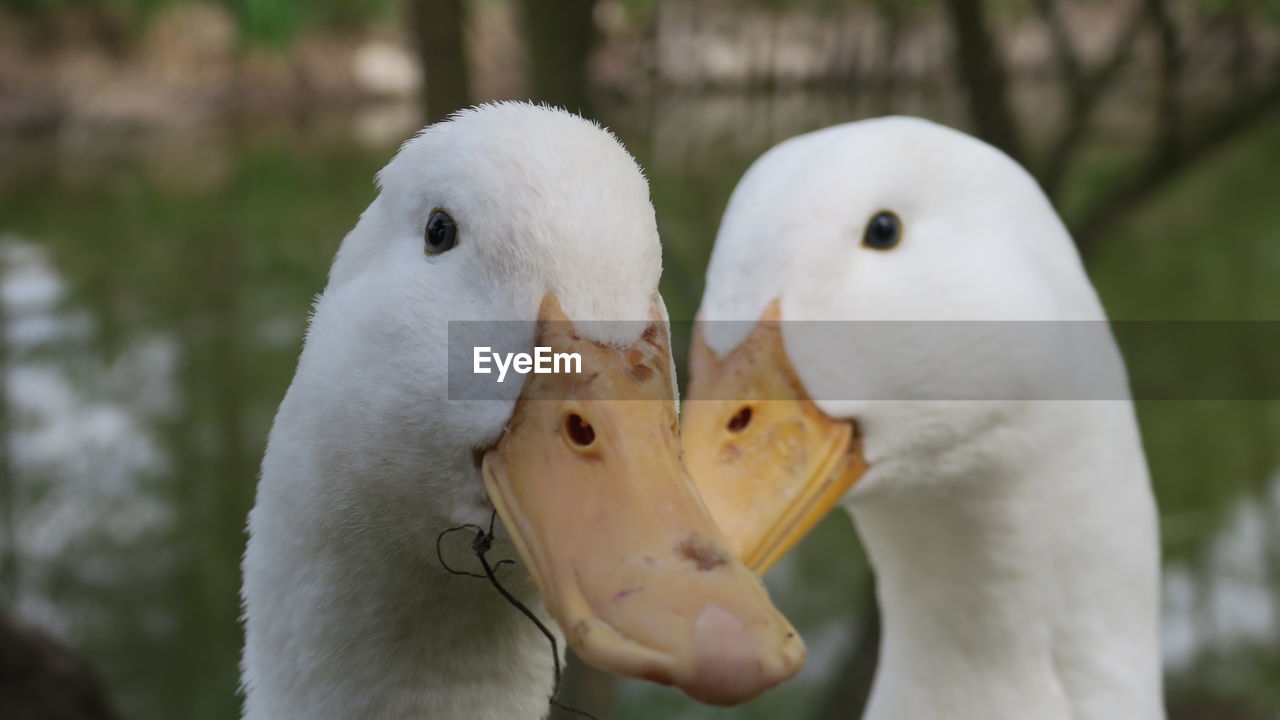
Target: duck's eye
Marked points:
883	232
441	233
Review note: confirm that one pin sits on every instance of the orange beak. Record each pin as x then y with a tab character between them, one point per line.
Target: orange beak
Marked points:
768	462
588	480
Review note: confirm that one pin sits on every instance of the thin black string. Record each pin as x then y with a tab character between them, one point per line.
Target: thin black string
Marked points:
481	545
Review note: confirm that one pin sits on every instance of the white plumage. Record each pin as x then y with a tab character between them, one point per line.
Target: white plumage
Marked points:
1014	542
347	613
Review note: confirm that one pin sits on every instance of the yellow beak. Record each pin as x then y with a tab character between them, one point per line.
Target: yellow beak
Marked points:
588	480
768	462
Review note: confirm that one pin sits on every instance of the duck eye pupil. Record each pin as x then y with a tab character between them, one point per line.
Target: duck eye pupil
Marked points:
441	233
883	231
580	431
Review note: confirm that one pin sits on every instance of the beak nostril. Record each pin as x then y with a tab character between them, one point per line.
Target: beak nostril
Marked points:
579	430
740	420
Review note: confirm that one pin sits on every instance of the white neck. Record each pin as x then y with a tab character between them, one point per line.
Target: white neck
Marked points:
346	617
1029	592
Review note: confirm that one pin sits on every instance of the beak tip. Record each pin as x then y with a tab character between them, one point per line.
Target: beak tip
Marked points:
731	668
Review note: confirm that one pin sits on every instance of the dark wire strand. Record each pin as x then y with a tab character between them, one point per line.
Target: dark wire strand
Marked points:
481	545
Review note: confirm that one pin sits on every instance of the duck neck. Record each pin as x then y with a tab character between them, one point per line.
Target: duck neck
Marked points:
349	614
1032	593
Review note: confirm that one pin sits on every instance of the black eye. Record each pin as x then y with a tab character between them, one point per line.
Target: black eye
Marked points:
883	231
441	233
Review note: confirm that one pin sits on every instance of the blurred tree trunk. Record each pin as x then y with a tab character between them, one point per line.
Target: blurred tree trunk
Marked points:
892	17
8	489
561	37
439	27
1084	87
982	73
1168	100
769	73
1243	52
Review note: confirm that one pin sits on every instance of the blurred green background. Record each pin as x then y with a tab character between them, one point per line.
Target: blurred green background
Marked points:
177	175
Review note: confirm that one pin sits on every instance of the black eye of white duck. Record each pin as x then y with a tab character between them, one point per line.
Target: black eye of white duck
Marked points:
883	232
441	233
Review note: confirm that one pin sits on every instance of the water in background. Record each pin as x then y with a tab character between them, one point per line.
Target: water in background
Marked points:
153	295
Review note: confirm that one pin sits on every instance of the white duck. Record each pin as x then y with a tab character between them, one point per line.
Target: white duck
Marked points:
994	470
516	213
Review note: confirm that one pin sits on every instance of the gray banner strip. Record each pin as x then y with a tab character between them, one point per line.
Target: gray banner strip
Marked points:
923	361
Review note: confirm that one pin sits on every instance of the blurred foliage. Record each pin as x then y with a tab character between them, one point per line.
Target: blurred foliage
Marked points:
273	23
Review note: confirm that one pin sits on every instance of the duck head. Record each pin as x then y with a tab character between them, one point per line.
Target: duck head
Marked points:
511	227
828	358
